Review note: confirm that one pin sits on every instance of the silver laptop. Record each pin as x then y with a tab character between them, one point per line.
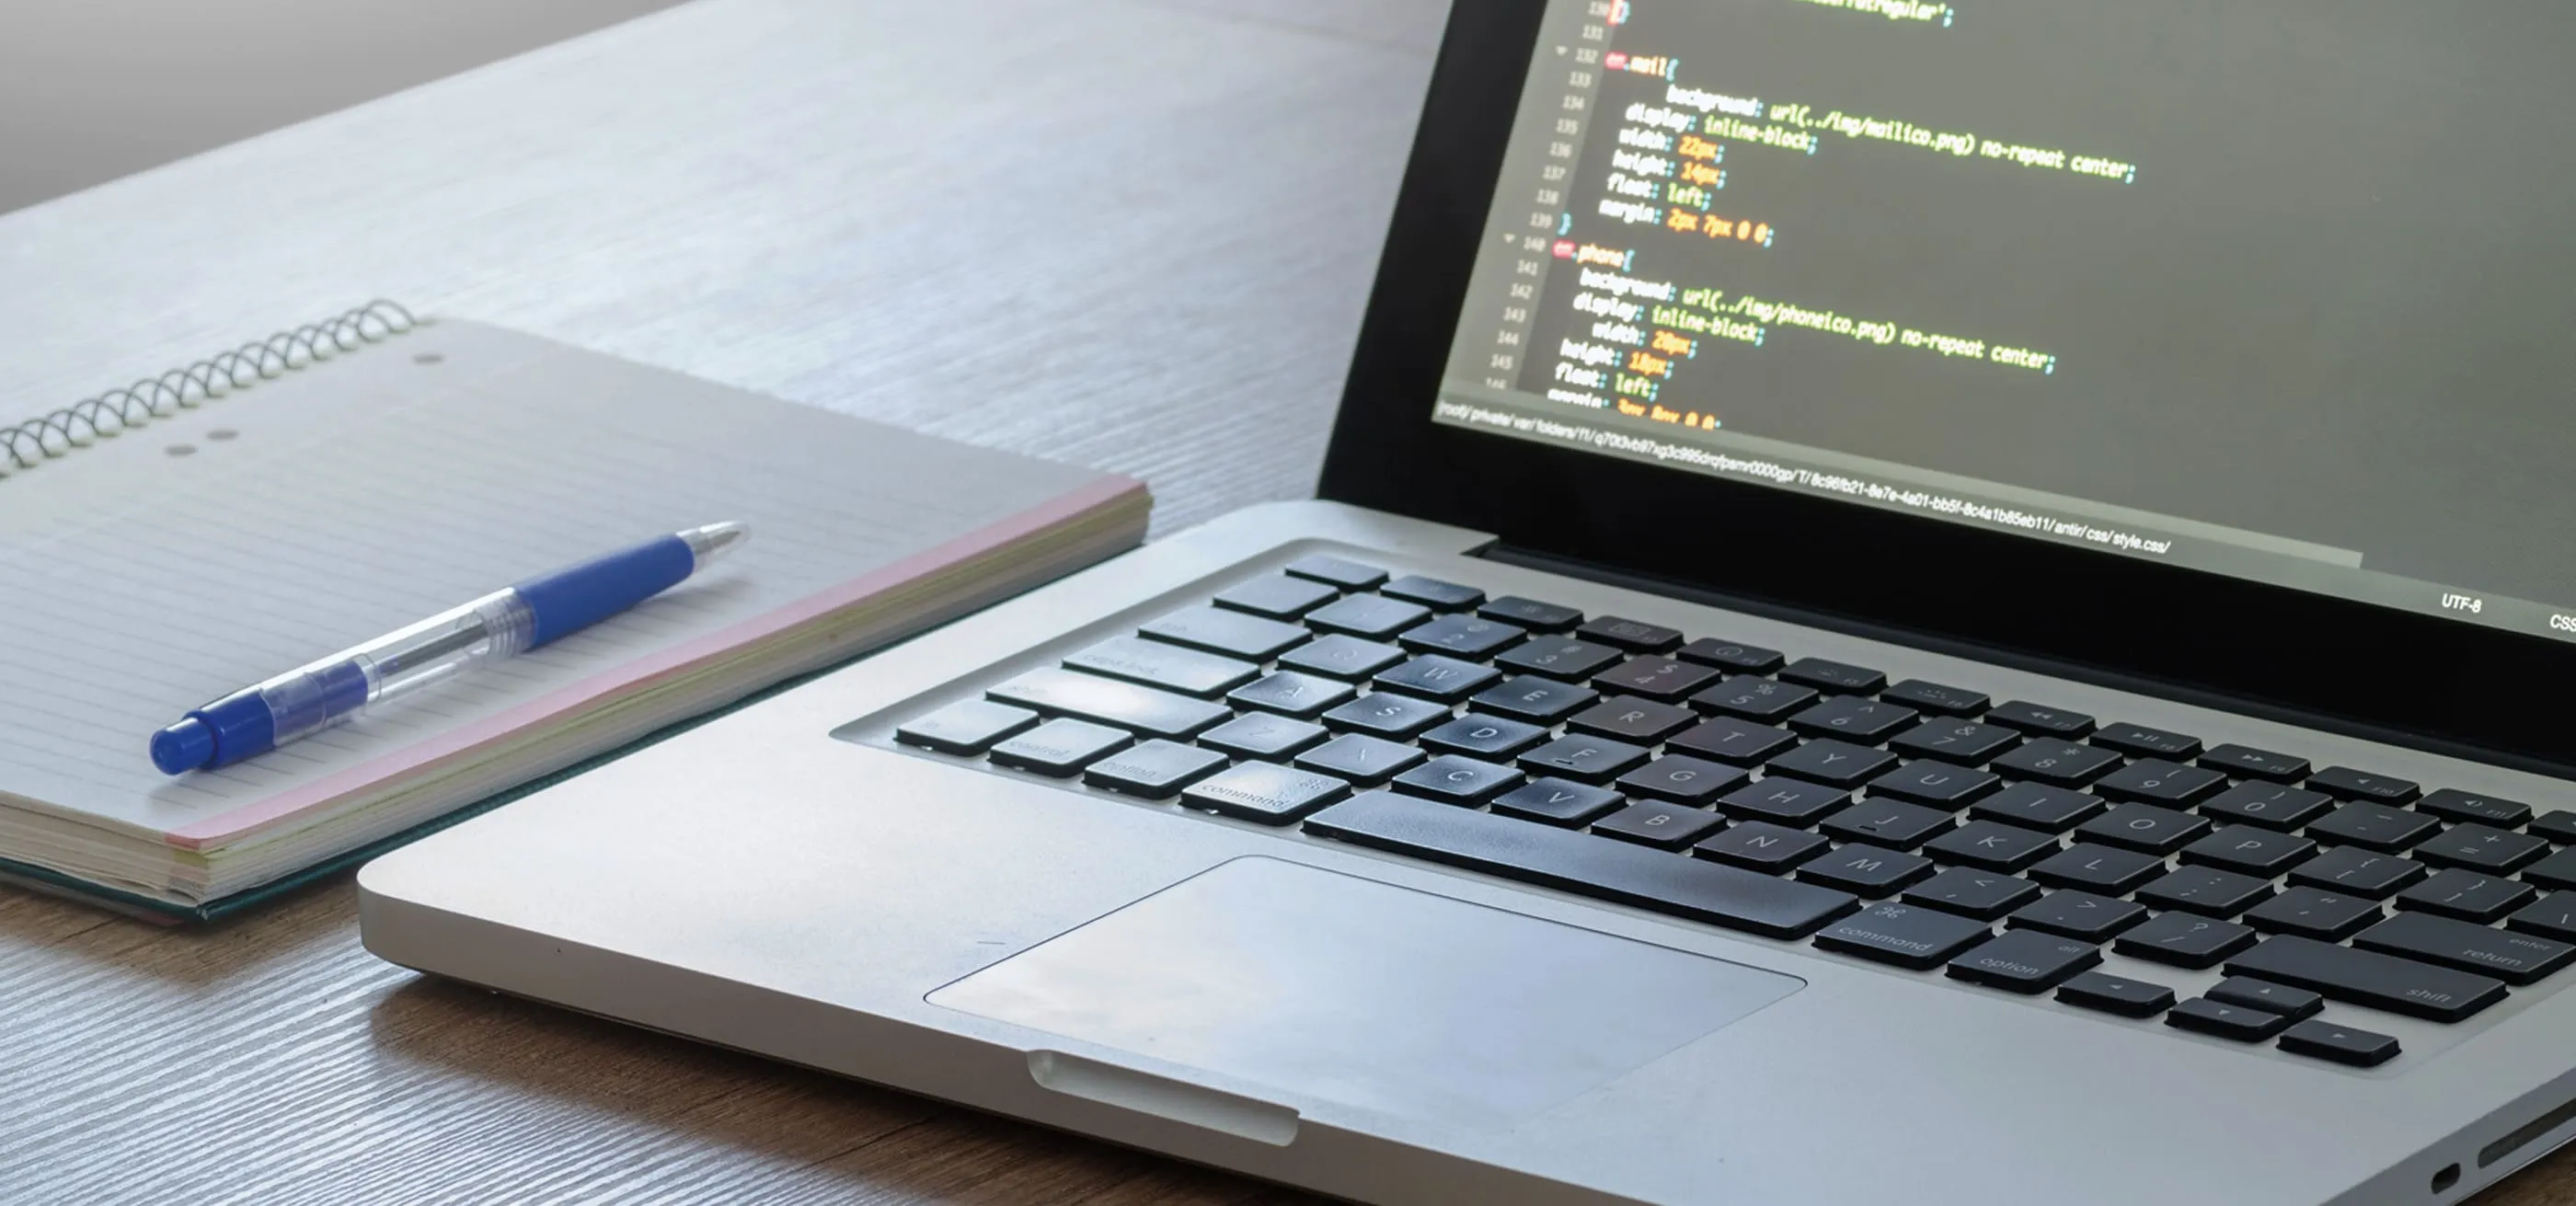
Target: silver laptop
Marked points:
1911	602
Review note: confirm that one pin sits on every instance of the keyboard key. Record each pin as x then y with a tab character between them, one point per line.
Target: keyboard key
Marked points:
2207	891
1278	596
2250	850
1658	823
2144	827
1291	693
2452	804
1437	676
1865	870
1681	779
2155	781
1983	895
1894	824
1386	715
1853	718
1531	614
966	727
2369	979
1451	779
1696	889
2243	1023
2063	763
2376	826
1654	678
1936	783
1962	741
2039	806
1060	747
2291	1003
2515	958
2116	995
1349	575
1730	656
2025	961
2269	805
2359	872
1635	636
2345	783
2245	761
2103	869
1557	802
1341	657
2551	916
1936	698
1992	845
1463	636
1152	769
2558	827
1837	763
1787	801
1529	697
1170	667
1761	846
1432	593
1373	617
1730	740
1559	657
1754	698
2480	847
1478	736
1838	677
1261	735
2078	915
2314	913
1260	791
1906	936
2184	940
1107	701
1629	718
2340	1044
2466	895
1359	758
2040	721
1232	633
1584	759
2139	741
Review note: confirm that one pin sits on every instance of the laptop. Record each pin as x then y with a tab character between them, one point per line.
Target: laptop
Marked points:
1909	602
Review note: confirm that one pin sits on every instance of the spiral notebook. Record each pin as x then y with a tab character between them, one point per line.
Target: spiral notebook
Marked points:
172	541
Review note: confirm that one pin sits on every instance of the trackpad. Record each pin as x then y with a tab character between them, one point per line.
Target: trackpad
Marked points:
1360	992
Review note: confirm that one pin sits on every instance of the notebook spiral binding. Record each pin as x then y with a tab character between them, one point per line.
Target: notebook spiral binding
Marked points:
57	433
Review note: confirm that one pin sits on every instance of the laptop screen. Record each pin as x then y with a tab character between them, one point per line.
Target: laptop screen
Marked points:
2280	290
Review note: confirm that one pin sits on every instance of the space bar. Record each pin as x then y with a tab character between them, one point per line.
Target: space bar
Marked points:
1574	862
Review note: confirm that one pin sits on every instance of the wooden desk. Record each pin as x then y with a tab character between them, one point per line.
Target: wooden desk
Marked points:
1134	234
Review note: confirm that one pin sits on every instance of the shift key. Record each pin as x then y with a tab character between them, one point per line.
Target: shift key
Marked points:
2365	978
1085	697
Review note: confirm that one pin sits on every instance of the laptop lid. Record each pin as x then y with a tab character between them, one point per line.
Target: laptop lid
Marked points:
2212	346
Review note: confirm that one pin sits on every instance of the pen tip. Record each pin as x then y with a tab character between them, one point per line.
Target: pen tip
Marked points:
714	540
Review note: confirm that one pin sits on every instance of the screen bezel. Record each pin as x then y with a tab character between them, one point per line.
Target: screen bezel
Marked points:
2400	676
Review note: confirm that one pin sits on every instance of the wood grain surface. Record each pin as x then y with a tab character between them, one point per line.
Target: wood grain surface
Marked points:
1130	233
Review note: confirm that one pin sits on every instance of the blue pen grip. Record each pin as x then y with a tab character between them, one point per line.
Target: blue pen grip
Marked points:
567	601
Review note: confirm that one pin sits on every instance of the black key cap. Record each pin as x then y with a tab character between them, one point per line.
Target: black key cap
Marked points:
1341	657
1291	693
1478	736
1559	657
1754	698
1841	678
2040	721
2243	1023
2345	783
2244	761
1373	617
2452	804
2103	869
2039	806
2184	940
1531	614
1262	736
1530	697
2558	827
1936	698
1730	656
2466	895
2155	781
1787	801
1574	862
2144	827
1107	701
1462	636
1732	740
1992	845
1838	763
1232	633
1853	718
1271	795
1170	667
2551	916
1681	779
2369	979
1658	823
1654	678
2358	872
2481	847
1584	759
1629	718
2515	958
2250	850
1906	936
966	727
1983	895
1349	575
1152	769
2078	915
1359	758
2063	763
2269	805
2116	995
1962	741
2340	1044
1451	779
2025	961
1060	747
1894	824
1940	784
1432	593
1437	676
2207	891
2376	826
2291	1003
1557	802
2139	741
1865	870
1386	715
1761	846
1278	596
1635	636
2314	913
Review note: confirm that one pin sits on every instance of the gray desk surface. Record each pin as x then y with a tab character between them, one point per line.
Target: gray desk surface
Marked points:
1132	233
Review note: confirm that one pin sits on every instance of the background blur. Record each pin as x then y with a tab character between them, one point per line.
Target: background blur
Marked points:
91	90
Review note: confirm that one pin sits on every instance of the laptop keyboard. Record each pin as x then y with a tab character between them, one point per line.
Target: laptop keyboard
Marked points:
1919	824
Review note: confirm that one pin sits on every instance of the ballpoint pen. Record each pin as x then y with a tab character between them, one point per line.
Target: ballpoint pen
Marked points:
500	625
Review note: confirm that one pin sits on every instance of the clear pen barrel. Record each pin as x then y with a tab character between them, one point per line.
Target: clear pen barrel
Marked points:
329	691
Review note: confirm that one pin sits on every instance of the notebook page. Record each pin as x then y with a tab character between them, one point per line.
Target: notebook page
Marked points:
336	504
